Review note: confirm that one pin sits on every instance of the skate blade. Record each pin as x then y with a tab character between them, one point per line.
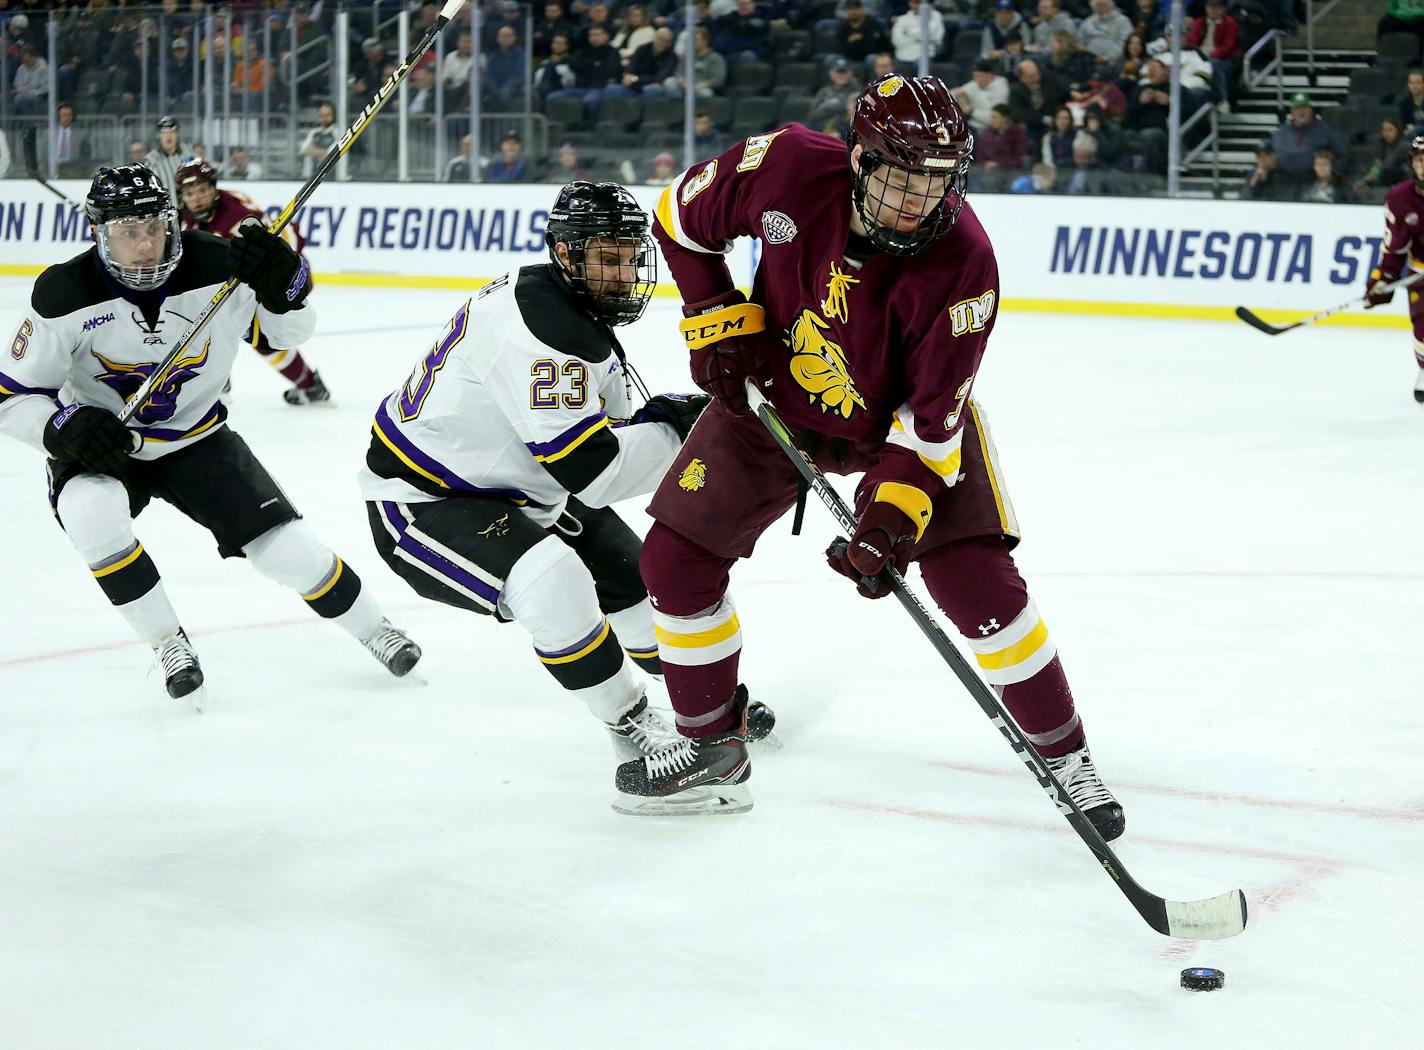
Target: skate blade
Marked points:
770	742
197	699
714	799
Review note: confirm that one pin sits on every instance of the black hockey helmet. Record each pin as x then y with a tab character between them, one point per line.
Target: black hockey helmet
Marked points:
606	213
123	205
914	124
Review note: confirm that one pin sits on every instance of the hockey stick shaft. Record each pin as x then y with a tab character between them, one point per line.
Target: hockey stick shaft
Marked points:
1210	919
338	150
55	190
1354	304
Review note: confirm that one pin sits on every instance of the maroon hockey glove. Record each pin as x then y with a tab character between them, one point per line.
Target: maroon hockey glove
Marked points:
92	436
884	537
1375	292
721	337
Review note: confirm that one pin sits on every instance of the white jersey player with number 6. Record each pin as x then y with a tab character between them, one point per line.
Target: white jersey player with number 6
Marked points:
491	470
95	330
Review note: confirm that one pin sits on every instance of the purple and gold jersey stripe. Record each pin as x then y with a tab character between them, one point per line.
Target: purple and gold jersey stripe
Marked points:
211	418
561	446
427	466
13	387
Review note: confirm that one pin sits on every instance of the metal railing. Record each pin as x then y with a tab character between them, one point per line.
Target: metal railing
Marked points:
1207	112
1311	17
1254	78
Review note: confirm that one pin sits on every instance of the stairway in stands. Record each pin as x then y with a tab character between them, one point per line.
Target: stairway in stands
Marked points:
1256	113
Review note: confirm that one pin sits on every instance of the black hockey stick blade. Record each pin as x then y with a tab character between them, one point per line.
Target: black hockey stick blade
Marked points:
1263	326
1214	918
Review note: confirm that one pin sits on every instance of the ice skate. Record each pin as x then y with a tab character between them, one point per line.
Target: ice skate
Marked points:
1419	387
308	395
182	674
761	720
690	776
1079	777
641	731
390	645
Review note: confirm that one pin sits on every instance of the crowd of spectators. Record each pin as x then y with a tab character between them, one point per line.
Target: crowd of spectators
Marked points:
1064	96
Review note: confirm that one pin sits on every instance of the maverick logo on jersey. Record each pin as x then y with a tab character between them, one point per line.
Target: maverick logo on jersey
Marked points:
693	476
162	401
972	315
95	322
778	227
498	527
819	365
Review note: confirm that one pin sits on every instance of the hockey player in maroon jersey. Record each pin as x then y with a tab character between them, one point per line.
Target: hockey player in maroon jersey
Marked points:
871	307
1404	246
220	212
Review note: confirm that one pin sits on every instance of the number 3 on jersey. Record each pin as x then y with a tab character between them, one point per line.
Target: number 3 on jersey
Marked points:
417	387
542	392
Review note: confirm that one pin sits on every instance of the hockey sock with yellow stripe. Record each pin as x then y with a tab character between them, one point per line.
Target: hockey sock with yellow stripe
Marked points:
130	581
979	588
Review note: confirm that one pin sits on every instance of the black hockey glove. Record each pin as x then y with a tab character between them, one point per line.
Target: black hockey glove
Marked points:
280	278
91	436
678	411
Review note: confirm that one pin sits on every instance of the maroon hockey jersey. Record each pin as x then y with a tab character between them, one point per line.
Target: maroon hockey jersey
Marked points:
231	208
882	355
1403	231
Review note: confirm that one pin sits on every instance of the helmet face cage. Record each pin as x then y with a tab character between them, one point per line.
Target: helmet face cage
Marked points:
868	192
1416	150
633	282
140	278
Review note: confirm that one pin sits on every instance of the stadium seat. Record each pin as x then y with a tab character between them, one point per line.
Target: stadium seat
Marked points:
752	116
1374	85
567	110
718	108
619	114
794	108
803	76
748	79
790	45
1399	46
659	111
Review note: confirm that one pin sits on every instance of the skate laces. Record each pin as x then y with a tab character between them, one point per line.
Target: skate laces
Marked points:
1079	777
386	642
175	654
647	729
672	759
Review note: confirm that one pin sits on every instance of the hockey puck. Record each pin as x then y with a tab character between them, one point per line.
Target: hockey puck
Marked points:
1202	978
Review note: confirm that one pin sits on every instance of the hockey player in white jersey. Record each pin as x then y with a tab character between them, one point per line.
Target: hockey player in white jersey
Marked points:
490	472
96	328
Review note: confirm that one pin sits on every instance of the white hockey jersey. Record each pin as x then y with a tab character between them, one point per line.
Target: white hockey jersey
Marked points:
86	339
524	398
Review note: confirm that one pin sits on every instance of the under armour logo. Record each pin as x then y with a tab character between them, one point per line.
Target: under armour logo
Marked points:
992	625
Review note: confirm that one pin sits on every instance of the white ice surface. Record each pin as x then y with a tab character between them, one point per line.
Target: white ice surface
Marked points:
1224	533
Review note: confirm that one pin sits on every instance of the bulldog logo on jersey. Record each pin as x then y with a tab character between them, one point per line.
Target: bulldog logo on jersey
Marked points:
819	366
693	476
162	401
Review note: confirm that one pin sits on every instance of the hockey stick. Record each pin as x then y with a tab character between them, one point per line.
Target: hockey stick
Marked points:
337	151
57	193
1210	919
1354	304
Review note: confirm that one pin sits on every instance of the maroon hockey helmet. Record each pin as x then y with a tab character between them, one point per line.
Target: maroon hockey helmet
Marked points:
192	172
914	124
